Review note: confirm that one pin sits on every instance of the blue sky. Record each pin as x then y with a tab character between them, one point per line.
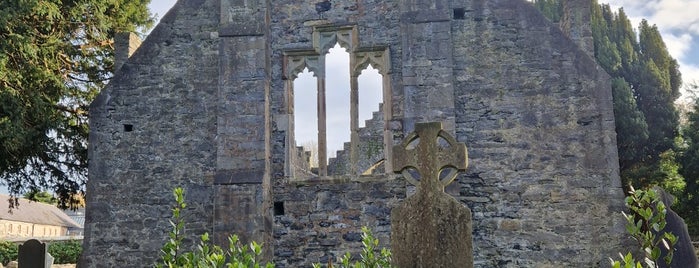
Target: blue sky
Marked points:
677	20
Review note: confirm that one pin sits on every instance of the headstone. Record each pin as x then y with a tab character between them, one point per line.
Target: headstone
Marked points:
32	254
684	255
430	228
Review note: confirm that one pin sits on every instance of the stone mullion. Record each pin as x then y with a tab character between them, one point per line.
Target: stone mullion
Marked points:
354	118
387	110
289	166
322	124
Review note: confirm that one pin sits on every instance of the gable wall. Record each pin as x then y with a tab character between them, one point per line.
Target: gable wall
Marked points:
206	95
167	93
536	114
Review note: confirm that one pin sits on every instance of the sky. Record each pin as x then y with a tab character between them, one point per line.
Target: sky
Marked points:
677	20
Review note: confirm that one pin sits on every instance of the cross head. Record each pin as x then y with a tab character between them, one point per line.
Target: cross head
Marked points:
432	154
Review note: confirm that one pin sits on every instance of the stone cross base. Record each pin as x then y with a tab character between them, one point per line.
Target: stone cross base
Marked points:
439	234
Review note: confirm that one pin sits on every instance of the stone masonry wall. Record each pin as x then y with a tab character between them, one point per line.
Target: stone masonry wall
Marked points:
204	104
323	220
533	108
153	129
536	114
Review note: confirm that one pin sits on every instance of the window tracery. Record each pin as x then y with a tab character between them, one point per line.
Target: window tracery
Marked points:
357	160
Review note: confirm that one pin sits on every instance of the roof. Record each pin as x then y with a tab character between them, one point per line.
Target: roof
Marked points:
77	215
34	212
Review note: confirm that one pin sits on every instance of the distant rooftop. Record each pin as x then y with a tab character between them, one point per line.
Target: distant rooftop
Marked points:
35	212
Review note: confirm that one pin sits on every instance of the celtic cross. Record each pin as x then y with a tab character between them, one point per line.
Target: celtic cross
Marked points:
431	228
435	151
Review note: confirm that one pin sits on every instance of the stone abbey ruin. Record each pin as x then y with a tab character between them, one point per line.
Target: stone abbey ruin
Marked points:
207	102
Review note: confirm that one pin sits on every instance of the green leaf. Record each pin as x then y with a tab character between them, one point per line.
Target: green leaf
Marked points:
655	254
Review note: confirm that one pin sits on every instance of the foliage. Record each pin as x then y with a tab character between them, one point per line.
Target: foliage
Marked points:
41	196
689	162
65	251
646	84
371	256
56	57
170	253
632	130
552	9
62	251
646	224
8	252
205	254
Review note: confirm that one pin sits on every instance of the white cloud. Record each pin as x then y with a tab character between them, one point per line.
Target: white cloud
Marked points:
673	15
678	45
690	73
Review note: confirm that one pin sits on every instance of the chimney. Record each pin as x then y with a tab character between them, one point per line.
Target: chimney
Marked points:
576	23
125	44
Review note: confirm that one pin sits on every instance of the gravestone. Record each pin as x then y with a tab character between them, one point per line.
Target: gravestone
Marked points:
684	255
430	228
32	254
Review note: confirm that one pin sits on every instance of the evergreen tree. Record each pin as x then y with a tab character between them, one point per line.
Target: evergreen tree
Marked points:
632	130
552	9
56	56
689	169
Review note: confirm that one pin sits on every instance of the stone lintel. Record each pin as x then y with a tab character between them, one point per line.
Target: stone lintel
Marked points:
425	16
249	176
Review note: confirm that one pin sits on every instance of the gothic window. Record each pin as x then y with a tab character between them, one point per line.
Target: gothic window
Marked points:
362	150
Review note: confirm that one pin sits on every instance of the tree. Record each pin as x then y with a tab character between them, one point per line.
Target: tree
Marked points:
43	197
552	9
631	128
56	57
689	168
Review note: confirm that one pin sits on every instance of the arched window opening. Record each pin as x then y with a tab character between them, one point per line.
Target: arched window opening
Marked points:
306	117
370	94
337	98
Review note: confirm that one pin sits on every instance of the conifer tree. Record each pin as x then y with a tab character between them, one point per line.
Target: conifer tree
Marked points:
689	169
56	56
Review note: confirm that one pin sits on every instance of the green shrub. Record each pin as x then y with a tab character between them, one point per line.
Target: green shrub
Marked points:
645	223
8	251
371	256
237	255
205	255
65	251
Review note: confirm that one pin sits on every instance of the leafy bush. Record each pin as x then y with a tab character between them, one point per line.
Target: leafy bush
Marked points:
370	258
645	224
205	255
8	251
65	251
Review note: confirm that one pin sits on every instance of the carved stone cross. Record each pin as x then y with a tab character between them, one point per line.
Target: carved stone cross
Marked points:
430	228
